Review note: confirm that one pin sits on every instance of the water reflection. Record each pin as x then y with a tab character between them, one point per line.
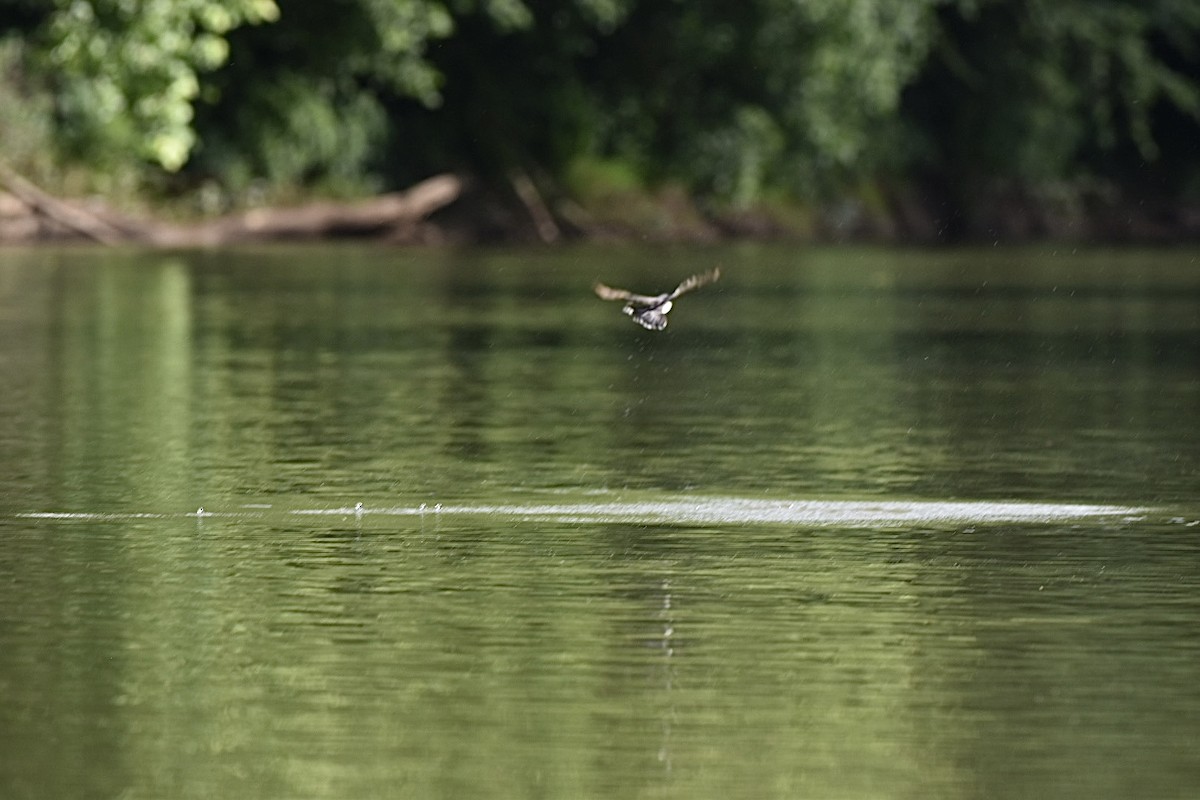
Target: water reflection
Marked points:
859	524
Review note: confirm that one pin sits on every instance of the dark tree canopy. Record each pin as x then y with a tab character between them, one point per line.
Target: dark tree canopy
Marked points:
733	101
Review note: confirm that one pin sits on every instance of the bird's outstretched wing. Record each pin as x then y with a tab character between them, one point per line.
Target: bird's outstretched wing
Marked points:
696	281
609	293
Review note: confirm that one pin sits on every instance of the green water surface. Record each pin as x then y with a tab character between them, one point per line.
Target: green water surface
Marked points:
859	524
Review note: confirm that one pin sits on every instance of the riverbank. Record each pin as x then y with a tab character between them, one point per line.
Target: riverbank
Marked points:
897	215
458	210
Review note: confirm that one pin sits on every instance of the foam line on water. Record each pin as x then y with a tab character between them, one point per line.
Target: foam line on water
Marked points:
727	510
744	511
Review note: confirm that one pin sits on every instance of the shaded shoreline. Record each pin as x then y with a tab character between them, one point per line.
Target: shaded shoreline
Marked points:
457	210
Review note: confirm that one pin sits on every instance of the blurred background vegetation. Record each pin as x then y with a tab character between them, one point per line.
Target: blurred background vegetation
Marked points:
939	111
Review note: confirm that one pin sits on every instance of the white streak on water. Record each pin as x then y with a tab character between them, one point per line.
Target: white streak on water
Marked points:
798	512
707	511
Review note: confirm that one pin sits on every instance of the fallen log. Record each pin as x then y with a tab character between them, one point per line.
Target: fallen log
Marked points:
68	215
383	215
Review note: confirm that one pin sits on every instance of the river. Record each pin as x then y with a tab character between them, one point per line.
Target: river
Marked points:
342	521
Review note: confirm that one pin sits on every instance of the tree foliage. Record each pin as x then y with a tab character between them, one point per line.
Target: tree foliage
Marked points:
737	96
1044	89
126	74
729	99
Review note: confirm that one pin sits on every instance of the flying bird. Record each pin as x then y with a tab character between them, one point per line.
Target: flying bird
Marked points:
651	311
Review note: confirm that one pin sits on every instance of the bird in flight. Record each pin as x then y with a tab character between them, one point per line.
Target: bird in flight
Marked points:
651	311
